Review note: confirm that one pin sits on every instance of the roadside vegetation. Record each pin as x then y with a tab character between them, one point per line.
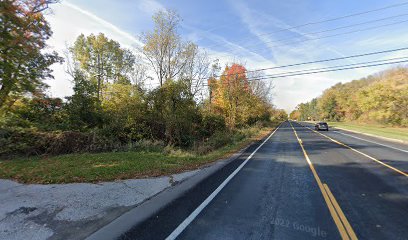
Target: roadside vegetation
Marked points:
379	100
158	109
147	159
399	133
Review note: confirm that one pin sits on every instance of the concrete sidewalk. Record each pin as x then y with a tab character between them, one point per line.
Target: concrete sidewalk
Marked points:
72	211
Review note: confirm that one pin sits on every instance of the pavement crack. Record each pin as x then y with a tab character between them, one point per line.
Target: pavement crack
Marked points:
22	210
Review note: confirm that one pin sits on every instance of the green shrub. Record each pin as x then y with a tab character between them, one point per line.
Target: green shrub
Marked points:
217	140
220	139
20	141
212	123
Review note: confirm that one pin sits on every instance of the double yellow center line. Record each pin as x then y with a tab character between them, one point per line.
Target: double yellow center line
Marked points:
357	151
344	227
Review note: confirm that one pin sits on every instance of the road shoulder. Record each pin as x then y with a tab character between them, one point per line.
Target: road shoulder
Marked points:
372	135
77	210
141	213
62	211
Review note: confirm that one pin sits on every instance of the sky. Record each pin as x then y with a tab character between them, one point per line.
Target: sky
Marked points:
261	34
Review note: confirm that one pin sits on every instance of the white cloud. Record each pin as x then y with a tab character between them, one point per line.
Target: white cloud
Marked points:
67	22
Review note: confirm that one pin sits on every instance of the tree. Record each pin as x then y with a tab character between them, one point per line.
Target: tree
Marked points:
24	32
173	113
280	115
295	115
232	96
196	70
124	112
328	106
379	98
102	60
307	111
167	54
38	111
139	75
83	106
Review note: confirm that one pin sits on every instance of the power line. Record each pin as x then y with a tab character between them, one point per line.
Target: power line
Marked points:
334	29
331	67
319	61
322	70
323	37
330	70
329	20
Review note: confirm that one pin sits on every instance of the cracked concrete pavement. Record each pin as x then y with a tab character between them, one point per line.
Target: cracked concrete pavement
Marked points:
72	211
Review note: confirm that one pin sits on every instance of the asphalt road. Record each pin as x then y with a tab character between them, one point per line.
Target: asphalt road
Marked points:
300	184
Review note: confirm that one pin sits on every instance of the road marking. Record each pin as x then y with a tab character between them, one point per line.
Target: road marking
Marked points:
384	145
346	231
357	151
343	218
197	211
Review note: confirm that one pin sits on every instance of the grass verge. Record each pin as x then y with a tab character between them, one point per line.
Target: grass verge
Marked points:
110	166
378	130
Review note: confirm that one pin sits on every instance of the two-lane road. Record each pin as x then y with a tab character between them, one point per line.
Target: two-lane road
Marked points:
302	185
373	196
275	196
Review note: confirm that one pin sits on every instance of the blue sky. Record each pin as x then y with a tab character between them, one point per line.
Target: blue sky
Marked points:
245	31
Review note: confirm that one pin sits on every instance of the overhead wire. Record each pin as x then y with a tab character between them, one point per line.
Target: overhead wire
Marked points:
228	53
346	65
319	61
334	29
327	69
329	20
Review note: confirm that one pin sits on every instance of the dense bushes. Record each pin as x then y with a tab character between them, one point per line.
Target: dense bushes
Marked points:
173	114
16	141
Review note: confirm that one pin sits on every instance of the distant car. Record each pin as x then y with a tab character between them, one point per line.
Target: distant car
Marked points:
322	126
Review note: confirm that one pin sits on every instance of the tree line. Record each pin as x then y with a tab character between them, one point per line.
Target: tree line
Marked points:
380	98
113	105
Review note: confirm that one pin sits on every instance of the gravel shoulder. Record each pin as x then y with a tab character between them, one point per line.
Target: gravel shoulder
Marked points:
67	211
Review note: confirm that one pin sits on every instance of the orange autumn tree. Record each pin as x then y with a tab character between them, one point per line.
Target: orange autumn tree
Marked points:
231	95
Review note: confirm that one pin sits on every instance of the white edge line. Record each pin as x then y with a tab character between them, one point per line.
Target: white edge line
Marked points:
197	211
384	145
402	150
373	135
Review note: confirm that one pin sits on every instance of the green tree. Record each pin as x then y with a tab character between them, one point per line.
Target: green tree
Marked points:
102	60
172	113
37	111
124	112
24	32
328	106
83	107
379	98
